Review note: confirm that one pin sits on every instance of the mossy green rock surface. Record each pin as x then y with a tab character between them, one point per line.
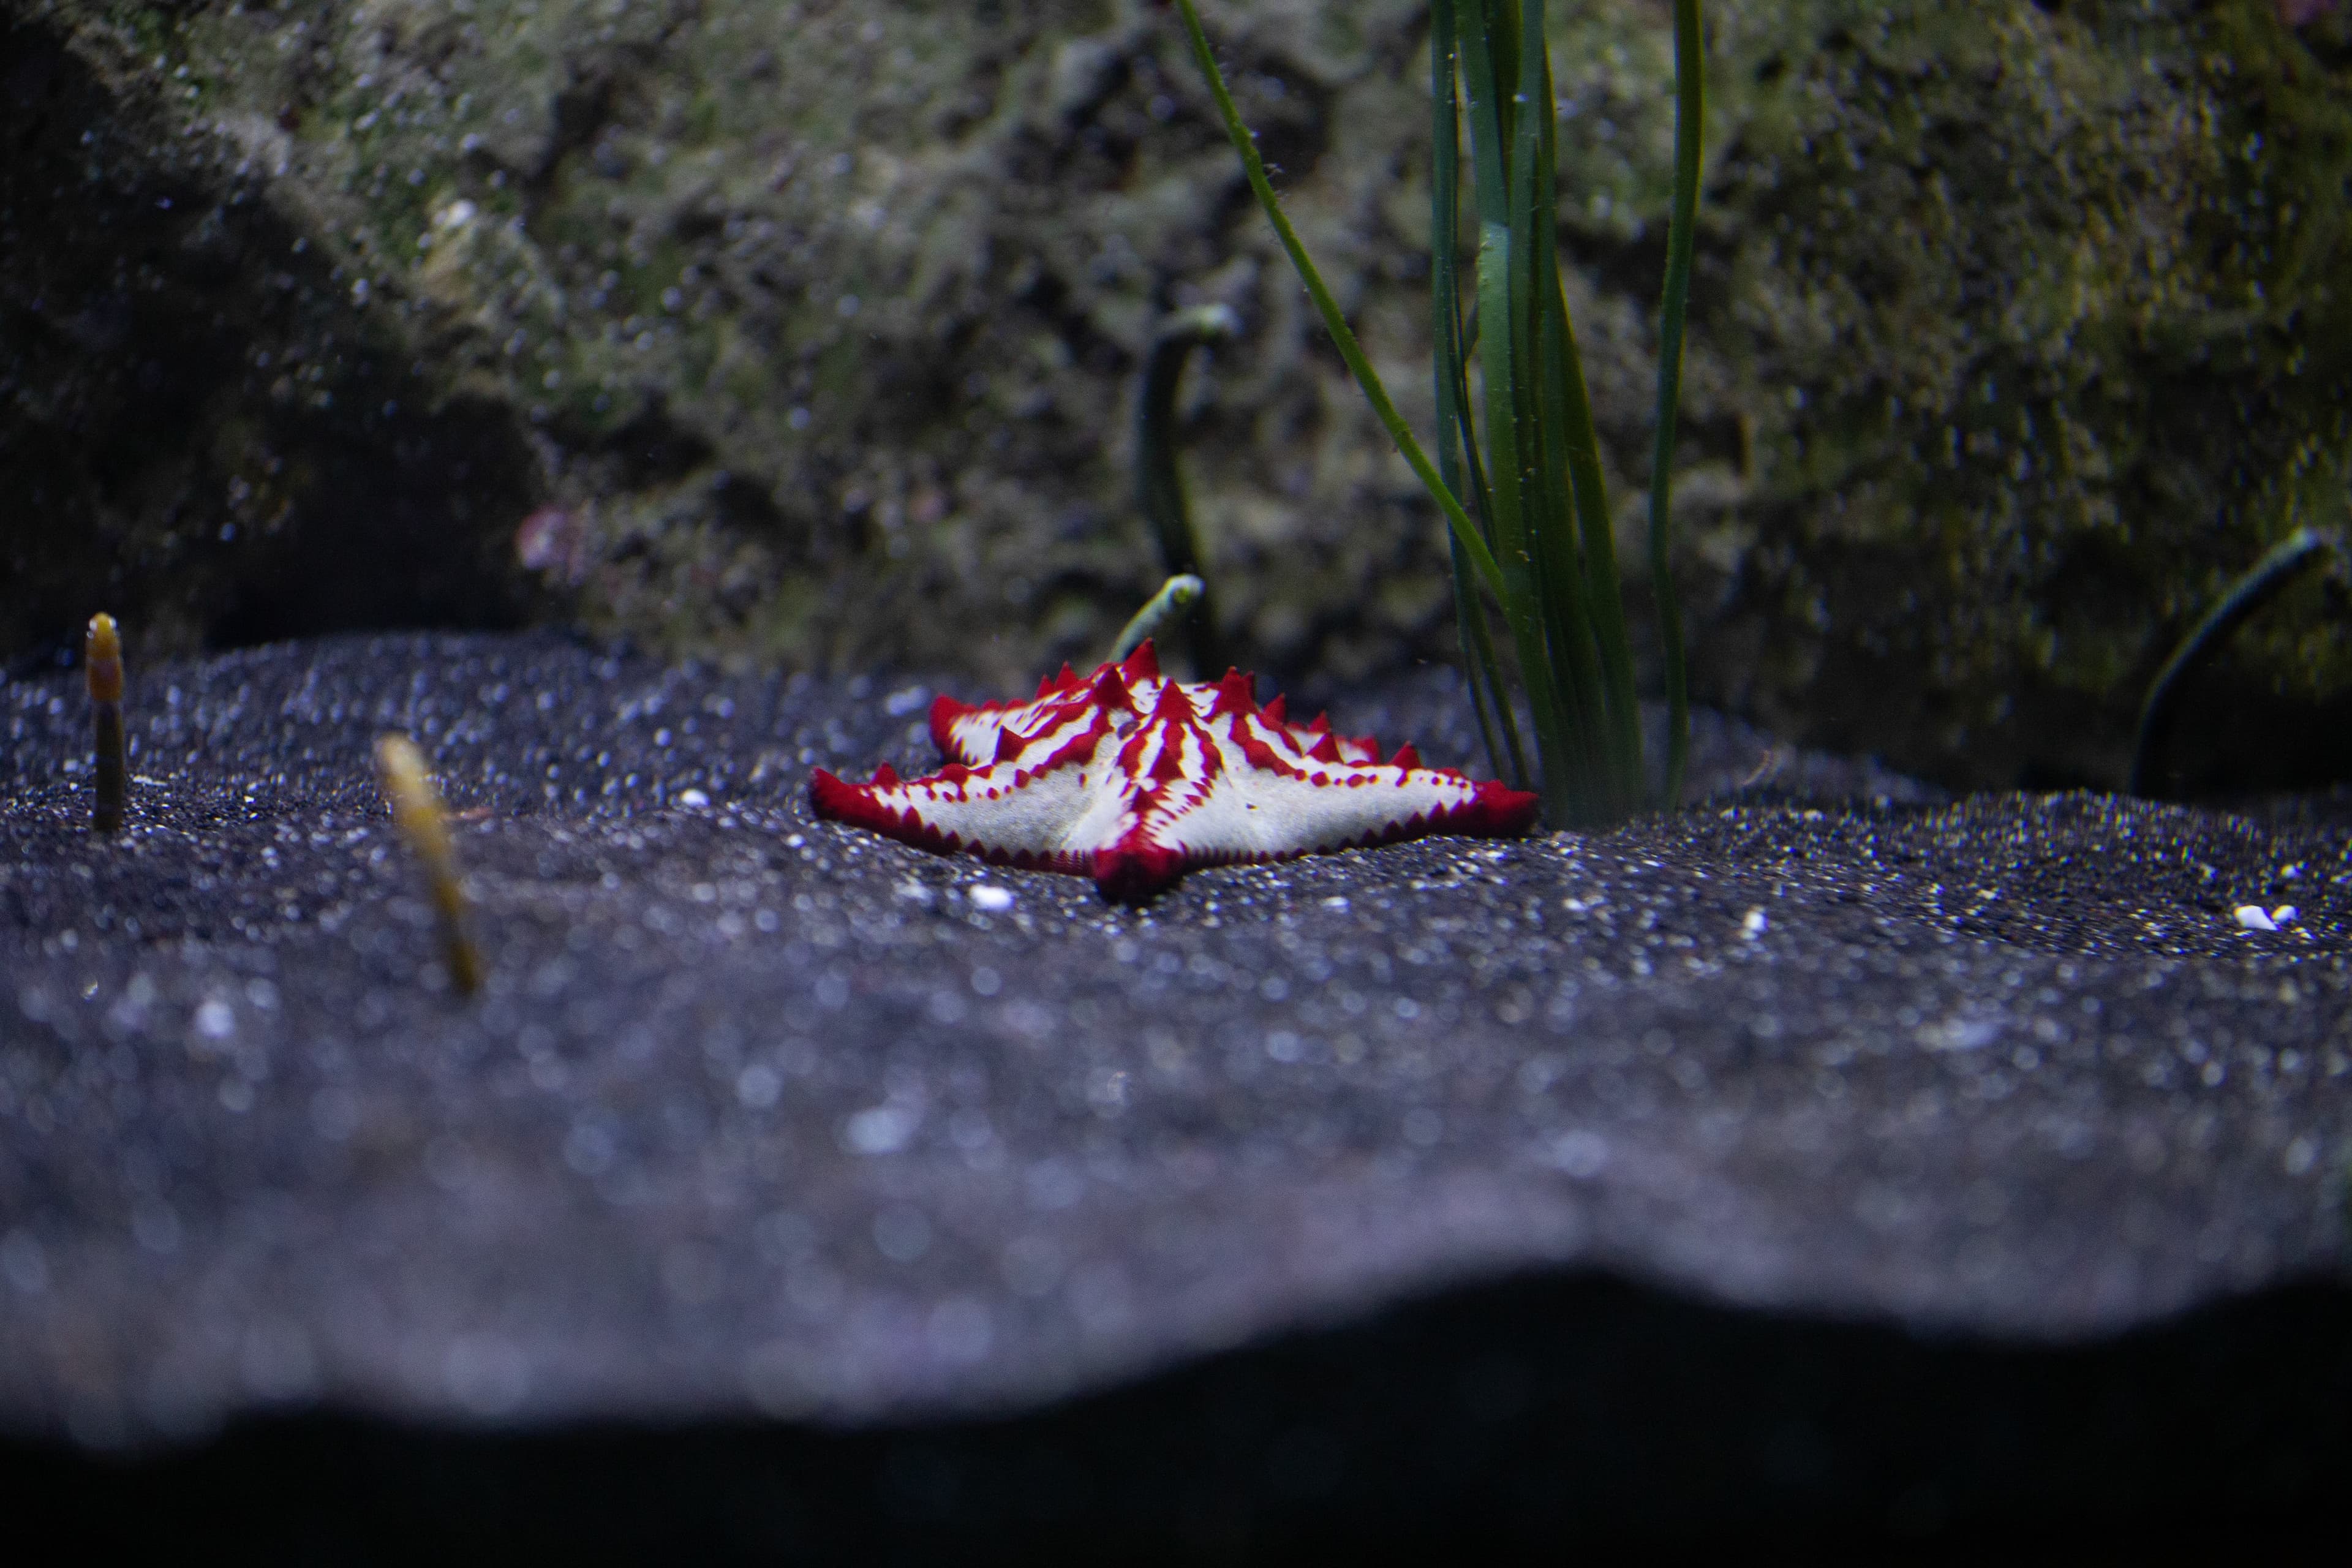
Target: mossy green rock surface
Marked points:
807	334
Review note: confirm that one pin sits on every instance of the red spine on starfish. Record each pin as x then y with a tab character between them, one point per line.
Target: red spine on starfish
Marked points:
1134	779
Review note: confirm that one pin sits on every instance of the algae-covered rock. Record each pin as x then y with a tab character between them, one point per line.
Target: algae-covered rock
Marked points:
2039	325
807	332
200	429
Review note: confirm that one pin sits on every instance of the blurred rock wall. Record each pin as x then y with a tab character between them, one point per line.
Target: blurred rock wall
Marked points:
806	333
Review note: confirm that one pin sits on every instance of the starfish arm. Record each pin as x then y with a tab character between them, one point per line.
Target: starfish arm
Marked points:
1000	813
1263	815
1039	734
969	733
948	716
1012	828
1135	870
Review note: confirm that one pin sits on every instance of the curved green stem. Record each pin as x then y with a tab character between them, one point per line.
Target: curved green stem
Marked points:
1176	596
1159	488
2280	566
1481	558
1457	452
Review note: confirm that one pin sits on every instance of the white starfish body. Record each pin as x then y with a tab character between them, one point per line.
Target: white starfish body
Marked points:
1134	779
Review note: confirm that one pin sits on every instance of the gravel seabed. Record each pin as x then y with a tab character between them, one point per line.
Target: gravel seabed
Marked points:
759	1117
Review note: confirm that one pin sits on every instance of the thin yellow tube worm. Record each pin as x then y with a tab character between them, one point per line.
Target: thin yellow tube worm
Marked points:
416	807
102	662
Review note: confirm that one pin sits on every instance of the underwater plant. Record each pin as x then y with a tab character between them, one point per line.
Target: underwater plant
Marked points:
102	668
1181	592
2289	559
1519	480
1159	488
416	808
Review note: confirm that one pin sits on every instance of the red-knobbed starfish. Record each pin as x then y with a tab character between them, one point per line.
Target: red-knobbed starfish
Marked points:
1134	779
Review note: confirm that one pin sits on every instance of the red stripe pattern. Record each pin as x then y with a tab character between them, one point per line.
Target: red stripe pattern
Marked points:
1134	779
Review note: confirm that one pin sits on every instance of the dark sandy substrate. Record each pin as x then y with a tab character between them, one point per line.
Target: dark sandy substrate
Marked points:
1825	1159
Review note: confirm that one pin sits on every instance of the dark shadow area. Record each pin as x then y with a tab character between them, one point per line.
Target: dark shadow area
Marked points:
205	426
1498	1423
2232	738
